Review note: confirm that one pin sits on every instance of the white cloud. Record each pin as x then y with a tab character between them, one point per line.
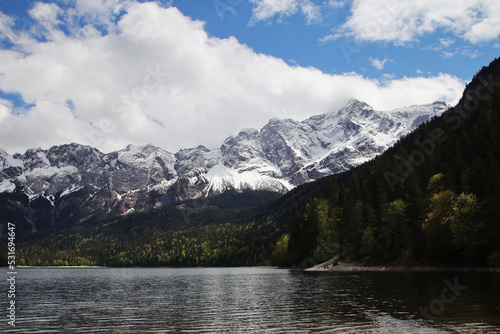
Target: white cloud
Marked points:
267	9
387	77
464	51
379	64
337	3
447	54
467	52
46	13
158	77
99	13
405	21
5	107
6	24
330	37
446	42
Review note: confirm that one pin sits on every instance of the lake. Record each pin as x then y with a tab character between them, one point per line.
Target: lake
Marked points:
250	300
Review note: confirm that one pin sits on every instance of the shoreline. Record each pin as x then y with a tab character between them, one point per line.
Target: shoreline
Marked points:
55	267
130	267
334	265
327	266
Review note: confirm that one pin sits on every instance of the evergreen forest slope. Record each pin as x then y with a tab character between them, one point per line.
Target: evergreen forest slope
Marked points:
432	198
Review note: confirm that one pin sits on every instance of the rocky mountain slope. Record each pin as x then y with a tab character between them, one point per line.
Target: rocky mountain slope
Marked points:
283	154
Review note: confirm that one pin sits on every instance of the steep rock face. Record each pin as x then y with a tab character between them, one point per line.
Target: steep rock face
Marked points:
283	154
242	151
289	144
10	167
195	161
138	167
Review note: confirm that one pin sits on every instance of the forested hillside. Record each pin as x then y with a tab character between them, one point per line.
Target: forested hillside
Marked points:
220	230
432	198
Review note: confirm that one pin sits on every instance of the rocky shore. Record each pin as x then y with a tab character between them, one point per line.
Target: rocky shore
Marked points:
337	265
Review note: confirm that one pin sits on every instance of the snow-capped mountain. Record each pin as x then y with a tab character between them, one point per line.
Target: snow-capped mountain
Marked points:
281	155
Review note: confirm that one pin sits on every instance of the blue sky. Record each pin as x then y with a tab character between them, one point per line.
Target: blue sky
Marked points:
299	42
185	72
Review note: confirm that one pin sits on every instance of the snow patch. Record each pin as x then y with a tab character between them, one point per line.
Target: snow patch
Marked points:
7	187
70	190
129	211
10	161
222	178
163	185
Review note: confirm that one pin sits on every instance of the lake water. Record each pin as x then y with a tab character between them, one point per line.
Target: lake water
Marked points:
251	300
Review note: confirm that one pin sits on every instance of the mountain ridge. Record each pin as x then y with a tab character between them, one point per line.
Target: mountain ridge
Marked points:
270	152
281	155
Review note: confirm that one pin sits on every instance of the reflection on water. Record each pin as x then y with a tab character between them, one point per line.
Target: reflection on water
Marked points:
251	300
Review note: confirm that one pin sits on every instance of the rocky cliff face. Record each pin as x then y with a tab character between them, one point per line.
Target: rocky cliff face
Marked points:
281	155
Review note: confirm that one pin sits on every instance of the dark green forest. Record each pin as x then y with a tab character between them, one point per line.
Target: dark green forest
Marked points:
433	198
221	230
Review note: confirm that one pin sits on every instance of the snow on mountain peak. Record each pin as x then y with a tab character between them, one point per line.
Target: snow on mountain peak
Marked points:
281	155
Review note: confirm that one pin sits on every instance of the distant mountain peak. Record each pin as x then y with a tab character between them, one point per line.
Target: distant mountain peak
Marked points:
356	103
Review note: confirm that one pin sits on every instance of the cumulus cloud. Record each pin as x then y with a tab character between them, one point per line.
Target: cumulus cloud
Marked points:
267	9
154	75
404	21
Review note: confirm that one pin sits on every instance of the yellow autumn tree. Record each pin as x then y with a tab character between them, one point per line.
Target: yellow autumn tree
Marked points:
437	225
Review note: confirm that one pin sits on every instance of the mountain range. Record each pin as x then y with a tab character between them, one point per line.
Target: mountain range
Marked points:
283	154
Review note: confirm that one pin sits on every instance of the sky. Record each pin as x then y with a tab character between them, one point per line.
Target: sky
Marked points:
181	73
